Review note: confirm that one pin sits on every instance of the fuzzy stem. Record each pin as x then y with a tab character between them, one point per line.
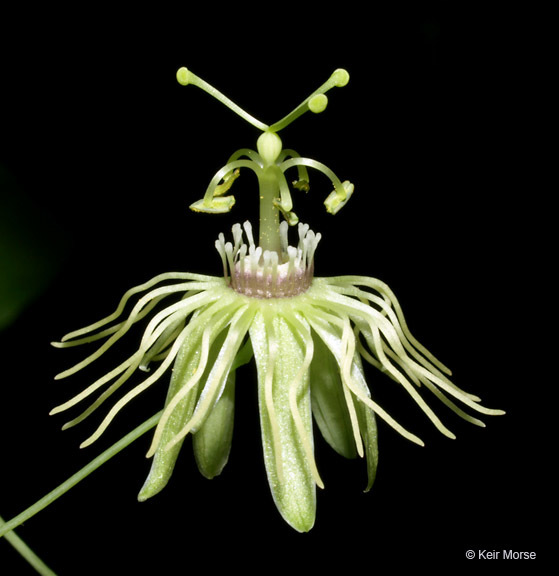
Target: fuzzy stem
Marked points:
269	234
79	476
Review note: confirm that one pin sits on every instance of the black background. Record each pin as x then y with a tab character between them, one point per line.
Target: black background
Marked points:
111	151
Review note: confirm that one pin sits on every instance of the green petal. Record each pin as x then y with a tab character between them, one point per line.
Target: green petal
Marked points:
212	442
329	406
279	353
164	460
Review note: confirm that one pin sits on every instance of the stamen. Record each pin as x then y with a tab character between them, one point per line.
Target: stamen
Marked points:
302	182
342	190
213	201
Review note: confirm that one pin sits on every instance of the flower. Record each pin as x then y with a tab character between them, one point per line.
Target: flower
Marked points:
309	338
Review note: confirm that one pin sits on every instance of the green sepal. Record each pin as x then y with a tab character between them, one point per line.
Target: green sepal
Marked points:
212	442
244	355
328	402
164	460
289	474
368	429
331	337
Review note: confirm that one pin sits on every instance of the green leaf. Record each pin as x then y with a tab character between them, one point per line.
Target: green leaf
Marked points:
279	353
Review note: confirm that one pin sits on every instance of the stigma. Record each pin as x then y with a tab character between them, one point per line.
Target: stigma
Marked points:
264	274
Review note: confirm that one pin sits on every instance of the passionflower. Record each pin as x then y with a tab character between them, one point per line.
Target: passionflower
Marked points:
308	336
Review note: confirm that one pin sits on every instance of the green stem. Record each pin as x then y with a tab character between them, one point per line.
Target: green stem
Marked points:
27	553
269	235
79	476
